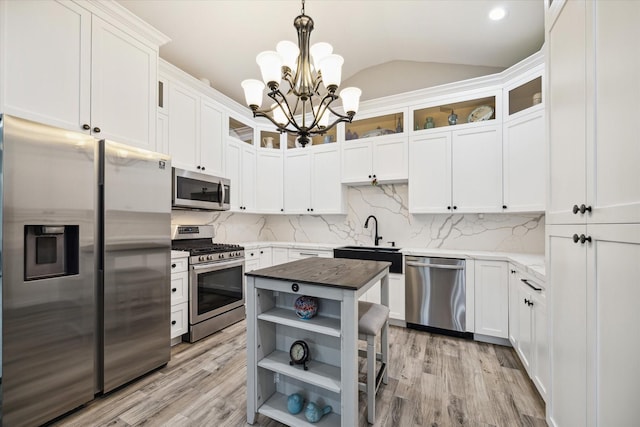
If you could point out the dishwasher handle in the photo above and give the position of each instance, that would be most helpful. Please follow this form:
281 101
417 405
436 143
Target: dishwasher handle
442 266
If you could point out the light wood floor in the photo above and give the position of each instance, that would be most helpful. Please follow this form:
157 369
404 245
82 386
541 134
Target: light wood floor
434 381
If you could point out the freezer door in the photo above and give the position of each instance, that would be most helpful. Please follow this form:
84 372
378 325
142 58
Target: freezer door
136 189
49 185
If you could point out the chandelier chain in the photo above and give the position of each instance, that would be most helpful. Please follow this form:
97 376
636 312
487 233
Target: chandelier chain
302 7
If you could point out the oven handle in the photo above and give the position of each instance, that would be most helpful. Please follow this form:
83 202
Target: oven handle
217 265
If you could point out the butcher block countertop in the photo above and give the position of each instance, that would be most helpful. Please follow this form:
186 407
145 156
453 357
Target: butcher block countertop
335 272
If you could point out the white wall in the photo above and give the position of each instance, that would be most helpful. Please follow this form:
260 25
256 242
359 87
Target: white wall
495 232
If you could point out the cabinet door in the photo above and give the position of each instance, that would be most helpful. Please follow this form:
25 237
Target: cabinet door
613 292
568 329
326 187
357 159
524 159
492 298
430 174
183 127
248 182
265 257
477 170
45 62
279 256
211 147
124 74
524 326
515 305
396 296
234 173
269 182
297 184
566 101
390 160
613 180
540 356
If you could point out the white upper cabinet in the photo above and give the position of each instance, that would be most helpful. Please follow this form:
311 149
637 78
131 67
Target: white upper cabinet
99 77
374 149
269 182
459 171
312 181
46 62
524 163
124 75
195 137
241 171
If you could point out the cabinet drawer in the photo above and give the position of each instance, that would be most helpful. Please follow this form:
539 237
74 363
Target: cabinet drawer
179 264
295 254
179 288
179 319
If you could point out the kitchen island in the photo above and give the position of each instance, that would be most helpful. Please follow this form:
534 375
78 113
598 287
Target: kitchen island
331 336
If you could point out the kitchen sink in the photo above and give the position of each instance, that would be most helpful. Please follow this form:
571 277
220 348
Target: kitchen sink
372 253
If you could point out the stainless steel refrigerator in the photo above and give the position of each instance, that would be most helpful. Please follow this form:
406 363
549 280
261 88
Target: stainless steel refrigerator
85 267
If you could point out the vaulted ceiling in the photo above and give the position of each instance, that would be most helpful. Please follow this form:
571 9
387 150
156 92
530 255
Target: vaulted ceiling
219 39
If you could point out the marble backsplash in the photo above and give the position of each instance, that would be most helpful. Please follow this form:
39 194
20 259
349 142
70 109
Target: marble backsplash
523 233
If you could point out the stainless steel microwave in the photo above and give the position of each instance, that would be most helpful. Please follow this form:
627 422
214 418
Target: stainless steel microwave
193 190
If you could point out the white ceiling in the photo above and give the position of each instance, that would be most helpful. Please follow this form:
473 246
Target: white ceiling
219 39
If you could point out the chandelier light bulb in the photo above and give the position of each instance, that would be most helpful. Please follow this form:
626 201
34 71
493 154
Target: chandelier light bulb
331 69
289 52
350 99
270 64
253 92
318 52
497 14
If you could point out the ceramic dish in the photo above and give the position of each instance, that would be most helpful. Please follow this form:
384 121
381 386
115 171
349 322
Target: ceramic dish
377 132
483 112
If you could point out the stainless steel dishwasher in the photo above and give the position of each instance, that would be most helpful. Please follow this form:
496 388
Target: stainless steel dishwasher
435 297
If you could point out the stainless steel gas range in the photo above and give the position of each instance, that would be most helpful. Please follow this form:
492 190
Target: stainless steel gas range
216 278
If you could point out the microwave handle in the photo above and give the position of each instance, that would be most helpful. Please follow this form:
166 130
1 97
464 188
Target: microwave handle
221 192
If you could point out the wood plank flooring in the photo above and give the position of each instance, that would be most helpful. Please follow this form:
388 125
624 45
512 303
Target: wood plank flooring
434 380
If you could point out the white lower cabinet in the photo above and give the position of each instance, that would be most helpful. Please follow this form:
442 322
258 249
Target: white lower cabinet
396 296
179 295
279 256
257 258
528 332
491 298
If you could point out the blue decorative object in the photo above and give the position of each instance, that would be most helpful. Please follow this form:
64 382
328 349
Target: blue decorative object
313 413
306 307
453 118
295 403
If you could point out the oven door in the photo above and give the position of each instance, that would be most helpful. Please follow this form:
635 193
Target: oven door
215 288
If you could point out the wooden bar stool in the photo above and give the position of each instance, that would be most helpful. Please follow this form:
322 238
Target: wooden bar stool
373 319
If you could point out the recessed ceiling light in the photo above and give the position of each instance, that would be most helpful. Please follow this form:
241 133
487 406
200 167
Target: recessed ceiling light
497 14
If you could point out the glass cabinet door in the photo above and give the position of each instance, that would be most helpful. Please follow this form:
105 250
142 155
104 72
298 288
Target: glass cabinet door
240 131
525 96
388 124
474 110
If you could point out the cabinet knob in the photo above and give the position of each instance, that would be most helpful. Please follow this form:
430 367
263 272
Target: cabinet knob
584 238
261 252
251 254
449 207
203 168
173 322
374 176
369 176
525 300
455 207
504 206
173 266
575 209
96 129
174 289
198 167
281 209
576 238
311 209
584 208
513 272
86 126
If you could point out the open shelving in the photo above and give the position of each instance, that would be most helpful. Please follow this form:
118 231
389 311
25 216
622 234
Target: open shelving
440 113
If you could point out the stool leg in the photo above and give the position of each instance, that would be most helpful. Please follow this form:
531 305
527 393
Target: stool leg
371 379
384 349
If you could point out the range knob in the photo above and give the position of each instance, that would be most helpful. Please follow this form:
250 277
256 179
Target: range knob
201 258
209 257
220 256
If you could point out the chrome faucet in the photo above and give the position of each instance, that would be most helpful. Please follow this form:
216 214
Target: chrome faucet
366 225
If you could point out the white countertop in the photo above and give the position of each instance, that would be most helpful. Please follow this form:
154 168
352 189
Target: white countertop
532 264
179 254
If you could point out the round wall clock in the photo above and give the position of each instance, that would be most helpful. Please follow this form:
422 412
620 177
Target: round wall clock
299 354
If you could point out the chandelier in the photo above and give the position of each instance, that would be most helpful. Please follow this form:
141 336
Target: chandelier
304 110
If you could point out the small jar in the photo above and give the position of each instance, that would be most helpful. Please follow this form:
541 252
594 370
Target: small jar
428 124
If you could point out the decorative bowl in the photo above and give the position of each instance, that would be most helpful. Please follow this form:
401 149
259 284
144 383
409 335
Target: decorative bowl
306 307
